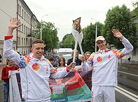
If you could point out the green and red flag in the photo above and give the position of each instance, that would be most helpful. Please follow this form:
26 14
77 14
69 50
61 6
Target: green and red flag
71 88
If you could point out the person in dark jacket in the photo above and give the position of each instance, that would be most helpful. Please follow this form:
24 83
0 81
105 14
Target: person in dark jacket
77 60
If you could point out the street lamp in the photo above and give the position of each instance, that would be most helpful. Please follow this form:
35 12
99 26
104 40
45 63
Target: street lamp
41 25
95 34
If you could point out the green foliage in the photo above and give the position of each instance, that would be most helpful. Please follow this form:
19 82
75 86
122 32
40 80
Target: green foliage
136 10
119 18
49 34
67 42
88 43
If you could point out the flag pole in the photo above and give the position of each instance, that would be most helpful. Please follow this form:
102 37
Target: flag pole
75 51
81 49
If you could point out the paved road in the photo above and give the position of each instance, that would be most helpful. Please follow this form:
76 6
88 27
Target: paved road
1 91
128 79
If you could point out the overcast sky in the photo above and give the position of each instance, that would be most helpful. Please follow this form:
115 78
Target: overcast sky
62 12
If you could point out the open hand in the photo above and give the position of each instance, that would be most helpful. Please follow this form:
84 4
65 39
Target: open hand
14 23
72 65
117 34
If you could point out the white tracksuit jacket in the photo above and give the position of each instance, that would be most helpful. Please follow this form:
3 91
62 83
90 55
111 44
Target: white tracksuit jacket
34 74
105 64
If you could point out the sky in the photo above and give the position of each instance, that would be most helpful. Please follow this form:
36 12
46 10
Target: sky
63 12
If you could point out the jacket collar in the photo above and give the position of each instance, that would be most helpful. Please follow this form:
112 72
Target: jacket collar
39 59
103 51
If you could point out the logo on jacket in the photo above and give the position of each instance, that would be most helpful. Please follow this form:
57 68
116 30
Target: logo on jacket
99 59
46 70
109 57
35 66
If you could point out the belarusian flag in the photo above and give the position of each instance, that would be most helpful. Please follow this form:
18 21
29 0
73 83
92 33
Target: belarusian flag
74 89
79 90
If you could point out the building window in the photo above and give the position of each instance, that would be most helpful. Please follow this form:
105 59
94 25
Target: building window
22 28
22 41
19 27
22 13
19 41
26 30
26 42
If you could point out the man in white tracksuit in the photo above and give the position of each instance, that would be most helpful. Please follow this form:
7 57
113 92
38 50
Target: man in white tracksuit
36 69
105 66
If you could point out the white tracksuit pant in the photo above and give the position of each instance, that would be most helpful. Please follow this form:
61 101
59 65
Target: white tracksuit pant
103 94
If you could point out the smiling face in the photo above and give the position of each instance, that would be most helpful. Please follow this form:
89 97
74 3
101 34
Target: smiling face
38 50
101 44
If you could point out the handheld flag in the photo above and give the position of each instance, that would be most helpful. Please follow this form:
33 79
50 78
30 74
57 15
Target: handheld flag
77 34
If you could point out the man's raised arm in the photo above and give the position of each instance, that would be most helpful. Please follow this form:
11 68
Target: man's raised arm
9 53
128 46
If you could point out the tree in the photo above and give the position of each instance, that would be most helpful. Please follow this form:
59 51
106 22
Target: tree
119 18
88 43
49 34
136 10
67 42
135 4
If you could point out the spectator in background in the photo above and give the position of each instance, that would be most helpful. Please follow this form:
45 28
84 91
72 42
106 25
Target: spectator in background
45 56
52 60
61 62
129 58
56 60
87 55
77 60
5 77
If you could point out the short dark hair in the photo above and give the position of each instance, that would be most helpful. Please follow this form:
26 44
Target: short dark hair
37 41
51 58
7 61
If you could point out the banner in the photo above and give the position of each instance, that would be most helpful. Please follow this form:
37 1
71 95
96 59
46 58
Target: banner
75 87
14 87
77 34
